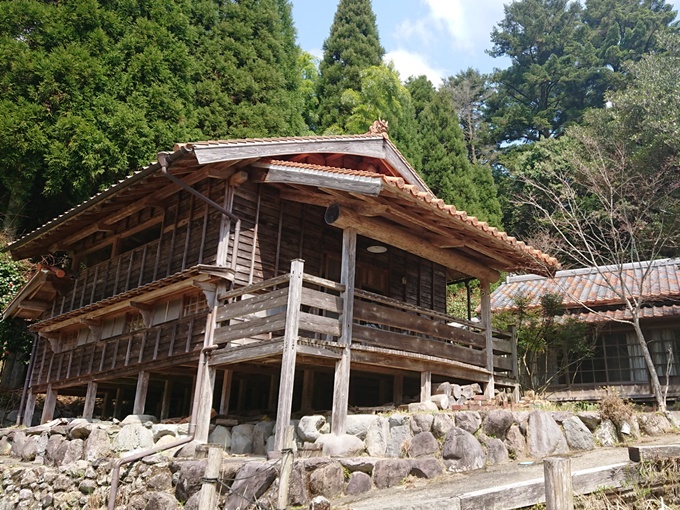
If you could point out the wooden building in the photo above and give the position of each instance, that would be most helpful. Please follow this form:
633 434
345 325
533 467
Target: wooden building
617 359
283 274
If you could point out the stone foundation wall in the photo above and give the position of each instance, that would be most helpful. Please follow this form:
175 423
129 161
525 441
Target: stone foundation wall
67 464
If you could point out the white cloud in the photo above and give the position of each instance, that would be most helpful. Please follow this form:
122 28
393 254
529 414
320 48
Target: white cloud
413 64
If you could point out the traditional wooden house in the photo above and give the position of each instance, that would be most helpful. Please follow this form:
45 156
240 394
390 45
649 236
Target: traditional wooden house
617 360
265 274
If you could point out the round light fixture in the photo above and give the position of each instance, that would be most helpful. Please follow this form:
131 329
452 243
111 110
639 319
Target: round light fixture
377 248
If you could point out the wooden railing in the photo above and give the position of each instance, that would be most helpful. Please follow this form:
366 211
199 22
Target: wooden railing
160 342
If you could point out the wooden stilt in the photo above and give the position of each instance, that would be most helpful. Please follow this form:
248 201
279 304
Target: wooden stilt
106 403
425 386
558 484
212 473
30 409
307 390
165 404
140 393
486 323
118 406
342 366
241 396
90 399
398 390
289 350
205 404
273 392
49 405
226 392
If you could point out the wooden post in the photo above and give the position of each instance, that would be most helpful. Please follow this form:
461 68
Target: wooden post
30 409
307 389
558 486
90 399
226 392
488 332
273 391
286 469
118 406
165 404
425 386
49 405
342 366
203 414
398 390
140 393
515 364
210 479
290 335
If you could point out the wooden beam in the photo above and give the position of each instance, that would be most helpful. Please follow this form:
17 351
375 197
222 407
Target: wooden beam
238 178
488 333
140 392
283 410
27 419
165 403
653 453
34 304
425 386
383 231
49 404
307 390
118 406
342 366
90 399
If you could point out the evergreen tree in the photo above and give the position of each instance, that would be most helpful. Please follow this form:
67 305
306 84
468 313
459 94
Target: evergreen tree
352 46
445 165
91 90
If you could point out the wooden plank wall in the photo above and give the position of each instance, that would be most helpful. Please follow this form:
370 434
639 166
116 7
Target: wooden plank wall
274 232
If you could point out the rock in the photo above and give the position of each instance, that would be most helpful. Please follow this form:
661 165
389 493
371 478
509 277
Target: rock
61 483
496 452
97 445
193 502
377 437
87 486
421 422
560 416
522 420
462 452
163 429
298 489
469 421
590 419
577 434
189 479
340 446
252 480
441 424
72 451
674 417
629 429
605 434
497 423
261 431
654 424
515 442
358 424
18 440
221 436
422 407
159 482
161 501
397 419
327 480
30 449
138 419
242 439
5 447
25 494
79 428
132 437
426 468
442 389
320 503
544 436
423 445
399 435
359 483
54 444
390 472
309 427
441 401
363 464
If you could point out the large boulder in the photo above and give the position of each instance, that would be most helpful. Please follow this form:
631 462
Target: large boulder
242 439
18 440
189 479
54 444
462 452
79 428
423 407
252 480
327 481
426 468
71 451
496 451
138 419
160 501
399 435
590 419
221 436
97 445
309 427
497 423
441 424
359 483
261 432
421 422
132 437
358 424
577 434
340 446
605 434
298 488
390 472
515 442
544 436
653 424
423 445
377 437
469 421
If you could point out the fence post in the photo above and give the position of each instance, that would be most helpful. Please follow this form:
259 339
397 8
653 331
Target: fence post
286 468
212 473
558 488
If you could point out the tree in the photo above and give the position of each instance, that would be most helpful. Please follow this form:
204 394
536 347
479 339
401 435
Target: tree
445 165
90 91
352 46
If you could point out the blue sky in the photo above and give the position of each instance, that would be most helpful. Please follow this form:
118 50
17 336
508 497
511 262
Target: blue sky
437 38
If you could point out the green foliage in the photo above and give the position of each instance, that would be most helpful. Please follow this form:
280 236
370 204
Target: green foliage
548 342
92 90
13 334
352 47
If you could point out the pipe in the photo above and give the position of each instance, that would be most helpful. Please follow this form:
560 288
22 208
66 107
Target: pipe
29 375
163 160
115 473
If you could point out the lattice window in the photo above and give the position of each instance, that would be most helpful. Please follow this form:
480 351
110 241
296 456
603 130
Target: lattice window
194 304
135 322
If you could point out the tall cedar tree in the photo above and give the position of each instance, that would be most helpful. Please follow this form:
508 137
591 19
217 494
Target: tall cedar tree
352 46
91 90
445 165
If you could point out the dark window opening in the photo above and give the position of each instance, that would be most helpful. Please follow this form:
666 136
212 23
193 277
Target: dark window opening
140 238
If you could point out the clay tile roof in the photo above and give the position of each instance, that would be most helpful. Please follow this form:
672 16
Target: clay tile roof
588 287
